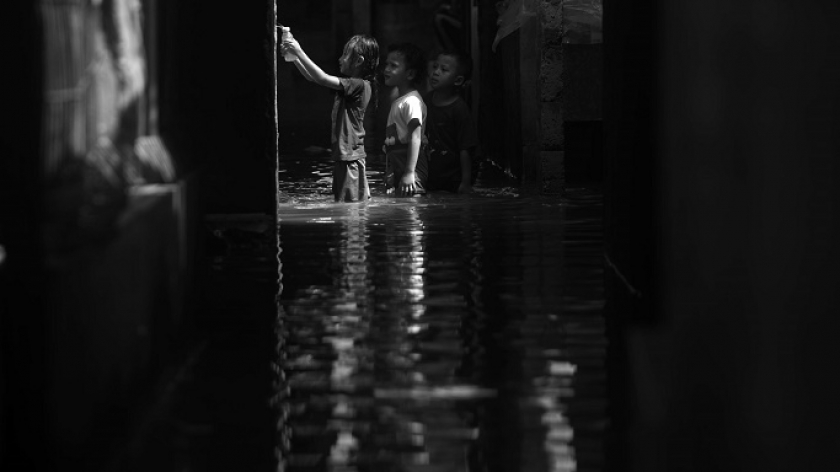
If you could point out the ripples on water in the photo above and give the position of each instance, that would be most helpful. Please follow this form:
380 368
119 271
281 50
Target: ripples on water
438 333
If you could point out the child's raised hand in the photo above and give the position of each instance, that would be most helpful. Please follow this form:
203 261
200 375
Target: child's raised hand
292 46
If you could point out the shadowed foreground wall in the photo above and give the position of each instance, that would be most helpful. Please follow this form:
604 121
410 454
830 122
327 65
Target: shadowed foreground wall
90 324
215 107
728 347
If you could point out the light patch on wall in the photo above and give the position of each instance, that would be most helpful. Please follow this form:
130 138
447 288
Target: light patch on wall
512 15
582 21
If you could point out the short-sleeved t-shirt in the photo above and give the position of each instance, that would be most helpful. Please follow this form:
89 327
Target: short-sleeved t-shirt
348 119
404 109
450 130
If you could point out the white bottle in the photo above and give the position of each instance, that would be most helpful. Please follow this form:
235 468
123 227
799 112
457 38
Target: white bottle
287 34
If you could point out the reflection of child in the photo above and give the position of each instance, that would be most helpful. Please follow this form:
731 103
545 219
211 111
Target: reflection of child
353 93
406 165
450 128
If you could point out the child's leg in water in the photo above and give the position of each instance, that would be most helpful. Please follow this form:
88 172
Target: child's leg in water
349 181
364 186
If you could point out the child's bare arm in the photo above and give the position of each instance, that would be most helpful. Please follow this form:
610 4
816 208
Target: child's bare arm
316 74
466 173
303 70
408 181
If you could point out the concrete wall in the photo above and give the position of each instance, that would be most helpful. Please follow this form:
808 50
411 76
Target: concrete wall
521 121
722 144
551 65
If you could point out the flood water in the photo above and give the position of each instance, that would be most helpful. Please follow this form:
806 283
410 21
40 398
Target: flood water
438 333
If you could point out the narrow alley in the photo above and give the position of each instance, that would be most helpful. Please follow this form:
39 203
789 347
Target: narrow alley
643 278
441 333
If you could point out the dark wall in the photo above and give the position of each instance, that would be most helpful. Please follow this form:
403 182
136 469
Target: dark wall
629 198
22 313
748 120
396 21
721 144
216 80
629 144
304 107
105 312
583 86
499 118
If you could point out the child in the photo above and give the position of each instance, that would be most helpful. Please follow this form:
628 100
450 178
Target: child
450 130
353 93
406 167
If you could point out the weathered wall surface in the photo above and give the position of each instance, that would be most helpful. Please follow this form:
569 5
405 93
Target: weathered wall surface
552 149
529 55
531 59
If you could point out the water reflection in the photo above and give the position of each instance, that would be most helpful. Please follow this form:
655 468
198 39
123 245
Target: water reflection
438 333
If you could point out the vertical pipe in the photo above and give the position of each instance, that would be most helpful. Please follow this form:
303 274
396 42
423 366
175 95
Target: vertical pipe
271 51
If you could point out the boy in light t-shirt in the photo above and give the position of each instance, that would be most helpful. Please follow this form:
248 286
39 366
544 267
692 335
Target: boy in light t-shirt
406 169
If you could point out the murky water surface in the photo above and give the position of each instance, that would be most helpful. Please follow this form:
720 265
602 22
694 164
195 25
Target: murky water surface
439 333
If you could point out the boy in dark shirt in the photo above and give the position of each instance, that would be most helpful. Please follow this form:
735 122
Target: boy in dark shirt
449 125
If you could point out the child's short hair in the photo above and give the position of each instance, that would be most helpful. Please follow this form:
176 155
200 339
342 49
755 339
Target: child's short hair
415 59
465 64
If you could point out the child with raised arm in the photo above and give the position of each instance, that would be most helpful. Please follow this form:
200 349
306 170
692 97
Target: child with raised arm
358 64
406 167
450 129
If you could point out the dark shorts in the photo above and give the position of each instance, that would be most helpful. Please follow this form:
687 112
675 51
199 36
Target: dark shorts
350 182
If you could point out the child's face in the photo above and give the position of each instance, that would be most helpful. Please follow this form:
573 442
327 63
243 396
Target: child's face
444 73
395 73
347 62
